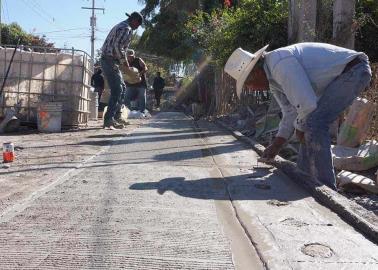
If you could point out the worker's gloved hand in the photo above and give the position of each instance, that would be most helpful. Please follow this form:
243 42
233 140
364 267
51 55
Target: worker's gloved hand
300 135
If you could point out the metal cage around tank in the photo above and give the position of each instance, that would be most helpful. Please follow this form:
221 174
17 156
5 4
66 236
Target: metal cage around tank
40 74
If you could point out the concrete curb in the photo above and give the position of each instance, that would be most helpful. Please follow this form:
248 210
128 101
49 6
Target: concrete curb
349 211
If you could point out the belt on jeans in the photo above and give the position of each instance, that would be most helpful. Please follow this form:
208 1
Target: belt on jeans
351 64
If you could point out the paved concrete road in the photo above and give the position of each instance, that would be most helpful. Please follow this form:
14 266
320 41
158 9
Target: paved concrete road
174 197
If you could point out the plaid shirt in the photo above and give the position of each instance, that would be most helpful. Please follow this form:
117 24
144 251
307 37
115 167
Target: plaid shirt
118 41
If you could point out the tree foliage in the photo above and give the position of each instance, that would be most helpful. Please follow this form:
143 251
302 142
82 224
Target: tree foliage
11 33
166 36
251 25
217 27
166 33
367 28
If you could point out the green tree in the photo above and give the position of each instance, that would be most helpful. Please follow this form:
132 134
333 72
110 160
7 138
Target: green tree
165 31
251 25
367 28
11 33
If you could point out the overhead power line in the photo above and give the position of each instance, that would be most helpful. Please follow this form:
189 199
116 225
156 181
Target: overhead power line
40 14
41 9
59 31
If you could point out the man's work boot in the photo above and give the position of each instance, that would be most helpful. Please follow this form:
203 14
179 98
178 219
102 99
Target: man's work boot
122 122
113 125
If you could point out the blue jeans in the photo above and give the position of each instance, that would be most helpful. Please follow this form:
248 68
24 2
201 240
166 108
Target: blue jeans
315 155
133 93
117 86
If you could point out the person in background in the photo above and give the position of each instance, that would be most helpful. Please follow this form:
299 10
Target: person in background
136 89
97 81
113 54
313 83
158 87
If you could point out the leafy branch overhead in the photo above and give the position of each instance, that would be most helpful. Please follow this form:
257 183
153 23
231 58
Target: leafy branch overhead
192 30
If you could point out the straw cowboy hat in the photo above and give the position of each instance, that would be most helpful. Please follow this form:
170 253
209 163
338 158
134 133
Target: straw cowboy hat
240 64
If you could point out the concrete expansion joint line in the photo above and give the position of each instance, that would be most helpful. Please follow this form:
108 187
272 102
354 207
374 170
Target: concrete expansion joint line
237 216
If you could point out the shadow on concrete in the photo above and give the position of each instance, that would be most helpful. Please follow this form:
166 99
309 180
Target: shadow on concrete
220 149
240 187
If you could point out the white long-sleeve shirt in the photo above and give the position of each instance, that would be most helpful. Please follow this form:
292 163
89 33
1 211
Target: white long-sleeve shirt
299 74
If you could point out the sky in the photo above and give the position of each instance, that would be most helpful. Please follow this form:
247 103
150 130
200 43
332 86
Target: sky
64 22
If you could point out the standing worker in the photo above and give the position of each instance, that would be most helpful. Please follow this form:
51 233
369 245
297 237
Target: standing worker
158 86
313 83
136 88
97 81
113 55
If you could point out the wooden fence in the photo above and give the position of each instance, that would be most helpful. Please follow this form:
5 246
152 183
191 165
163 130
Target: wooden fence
225 100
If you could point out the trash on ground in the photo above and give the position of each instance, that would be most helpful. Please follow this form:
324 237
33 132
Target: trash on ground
354 129
136 115
124 113
147 114
356 159
352 182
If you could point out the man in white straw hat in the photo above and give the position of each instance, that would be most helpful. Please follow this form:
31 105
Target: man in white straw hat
313 83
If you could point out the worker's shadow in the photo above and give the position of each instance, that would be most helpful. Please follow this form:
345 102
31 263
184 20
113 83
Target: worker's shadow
241 187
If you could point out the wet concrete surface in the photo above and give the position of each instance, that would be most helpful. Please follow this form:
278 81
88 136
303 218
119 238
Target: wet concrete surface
175 195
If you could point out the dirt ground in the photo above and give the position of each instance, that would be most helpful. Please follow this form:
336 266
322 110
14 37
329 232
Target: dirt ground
43 158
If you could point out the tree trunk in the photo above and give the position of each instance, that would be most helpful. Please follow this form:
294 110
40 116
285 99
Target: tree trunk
293 21
307 23
302 20
343 13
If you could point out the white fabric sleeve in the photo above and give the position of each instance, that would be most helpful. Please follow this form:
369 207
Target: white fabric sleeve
291 76
286 127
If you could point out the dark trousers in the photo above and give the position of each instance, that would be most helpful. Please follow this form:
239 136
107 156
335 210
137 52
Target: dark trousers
158 93
117 87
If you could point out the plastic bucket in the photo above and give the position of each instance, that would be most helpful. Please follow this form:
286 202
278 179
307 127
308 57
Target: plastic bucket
49 117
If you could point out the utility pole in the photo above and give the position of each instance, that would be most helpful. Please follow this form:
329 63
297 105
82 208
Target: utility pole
93 24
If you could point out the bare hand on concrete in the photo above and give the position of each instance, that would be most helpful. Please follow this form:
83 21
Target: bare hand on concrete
274 148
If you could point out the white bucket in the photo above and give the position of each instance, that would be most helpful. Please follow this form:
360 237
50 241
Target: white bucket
49 117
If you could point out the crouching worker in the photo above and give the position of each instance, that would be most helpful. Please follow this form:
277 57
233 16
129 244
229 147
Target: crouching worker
313 83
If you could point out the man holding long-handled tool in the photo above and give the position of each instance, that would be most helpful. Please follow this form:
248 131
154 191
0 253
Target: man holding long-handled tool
313 83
